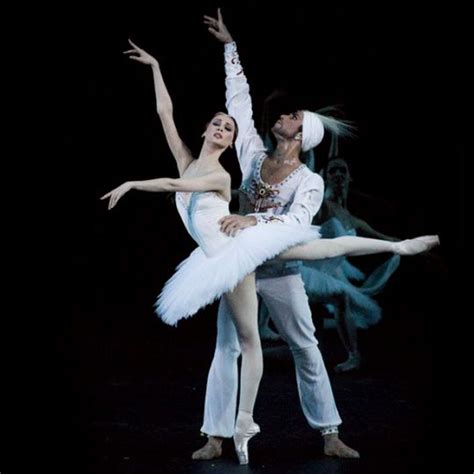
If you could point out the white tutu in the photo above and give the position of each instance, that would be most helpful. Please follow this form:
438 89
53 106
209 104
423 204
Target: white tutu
199 280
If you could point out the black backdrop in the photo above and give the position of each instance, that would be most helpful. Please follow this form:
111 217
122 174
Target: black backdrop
382 63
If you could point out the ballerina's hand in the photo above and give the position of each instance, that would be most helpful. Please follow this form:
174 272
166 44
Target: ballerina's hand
140 55
116 194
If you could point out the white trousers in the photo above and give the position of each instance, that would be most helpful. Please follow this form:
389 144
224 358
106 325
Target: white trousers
287 302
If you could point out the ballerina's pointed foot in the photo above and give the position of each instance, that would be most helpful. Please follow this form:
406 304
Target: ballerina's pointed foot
417 245
241 440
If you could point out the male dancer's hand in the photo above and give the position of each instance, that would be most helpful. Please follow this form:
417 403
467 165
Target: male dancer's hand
230 225
218 28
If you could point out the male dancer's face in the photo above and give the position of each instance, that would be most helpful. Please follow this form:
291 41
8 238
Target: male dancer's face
288 125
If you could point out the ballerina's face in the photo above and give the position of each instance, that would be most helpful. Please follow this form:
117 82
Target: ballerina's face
222 130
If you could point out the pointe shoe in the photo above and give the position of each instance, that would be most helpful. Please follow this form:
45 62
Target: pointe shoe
241 440
415 246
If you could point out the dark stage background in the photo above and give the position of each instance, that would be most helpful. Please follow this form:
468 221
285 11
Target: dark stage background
129 394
